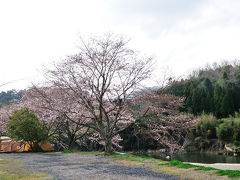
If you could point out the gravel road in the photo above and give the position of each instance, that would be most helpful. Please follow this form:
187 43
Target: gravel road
85 167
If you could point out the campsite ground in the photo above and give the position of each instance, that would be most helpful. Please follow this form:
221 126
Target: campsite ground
70 166
84 166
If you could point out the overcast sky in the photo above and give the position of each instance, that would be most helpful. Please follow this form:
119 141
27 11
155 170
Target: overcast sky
180 34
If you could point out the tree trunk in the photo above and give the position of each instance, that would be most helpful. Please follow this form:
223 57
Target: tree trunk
71 143
35 147
108 146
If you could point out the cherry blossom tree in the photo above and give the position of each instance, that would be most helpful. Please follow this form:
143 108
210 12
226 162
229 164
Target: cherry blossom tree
5 112
54 109
162 119
60 111
101 78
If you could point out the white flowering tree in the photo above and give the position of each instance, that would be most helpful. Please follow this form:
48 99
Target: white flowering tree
101 78
163 121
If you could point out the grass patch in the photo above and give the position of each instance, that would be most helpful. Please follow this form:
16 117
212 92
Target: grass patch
86 152
230 173
14 170
69 151
131 157
180 164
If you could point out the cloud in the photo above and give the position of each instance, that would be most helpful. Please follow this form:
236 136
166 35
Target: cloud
153 16
181 34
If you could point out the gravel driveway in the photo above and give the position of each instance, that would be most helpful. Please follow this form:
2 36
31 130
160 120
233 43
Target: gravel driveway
86 167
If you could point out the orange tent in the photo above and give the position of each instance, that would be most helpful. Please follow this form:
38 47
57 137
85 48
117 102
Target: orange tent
8 145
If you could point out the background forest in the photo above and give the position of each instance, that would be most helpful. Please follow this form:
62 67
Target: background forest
213 94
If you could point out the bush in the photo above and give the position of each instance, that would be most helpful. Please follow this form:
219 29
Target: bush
24 125
206 127
229 130
204 132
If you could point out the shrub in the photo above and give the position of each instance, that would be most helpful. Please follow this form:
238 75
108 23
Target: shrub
229 130
206 127
204 131
24 125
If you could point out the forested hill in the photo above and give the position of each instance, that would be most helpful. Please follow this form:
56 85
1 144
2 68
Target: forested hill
213 90
8 96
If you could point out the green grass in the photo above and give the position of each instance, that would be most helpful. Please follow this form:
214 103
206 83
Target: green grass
69 151
131 157
229 173
180 164
15 170
86 152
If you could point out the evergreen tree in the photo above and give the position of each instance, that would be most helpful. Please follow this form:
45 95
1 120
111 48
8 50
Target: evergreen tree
208 101
227 104
225 75
218 91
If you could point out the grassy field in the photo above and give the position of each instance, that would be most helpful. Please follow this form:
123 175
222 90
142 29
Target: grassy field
11 169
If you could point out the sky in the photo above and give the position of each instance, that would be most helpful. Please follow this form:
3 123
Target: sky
181 35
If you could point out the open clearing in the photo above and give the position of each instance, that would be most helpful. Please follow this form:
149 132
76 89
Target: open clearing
76 166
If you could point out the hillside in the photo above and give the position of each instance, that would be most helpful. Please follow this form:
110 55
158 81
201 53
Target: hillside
214 89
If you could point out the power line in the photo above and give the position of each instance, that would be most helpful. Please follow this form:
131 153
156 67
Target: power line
10 82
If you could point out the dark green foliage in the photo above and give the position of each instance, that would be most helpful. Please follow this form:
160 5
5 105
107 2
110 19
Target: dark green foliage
177 88
225 130
204 132
135 138
218 91
211 133
229 130
206 127
227 105
24 125
199 96
225 94
225 75
219 96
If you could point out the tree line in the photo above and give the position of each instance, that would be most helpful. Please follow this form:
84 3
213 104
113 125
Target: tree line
6 97
214 92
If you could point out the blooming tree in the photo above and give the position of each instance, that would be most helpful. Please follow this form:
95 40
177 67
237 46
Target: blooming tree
54 109
163 121
101 78
60 111
5 112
